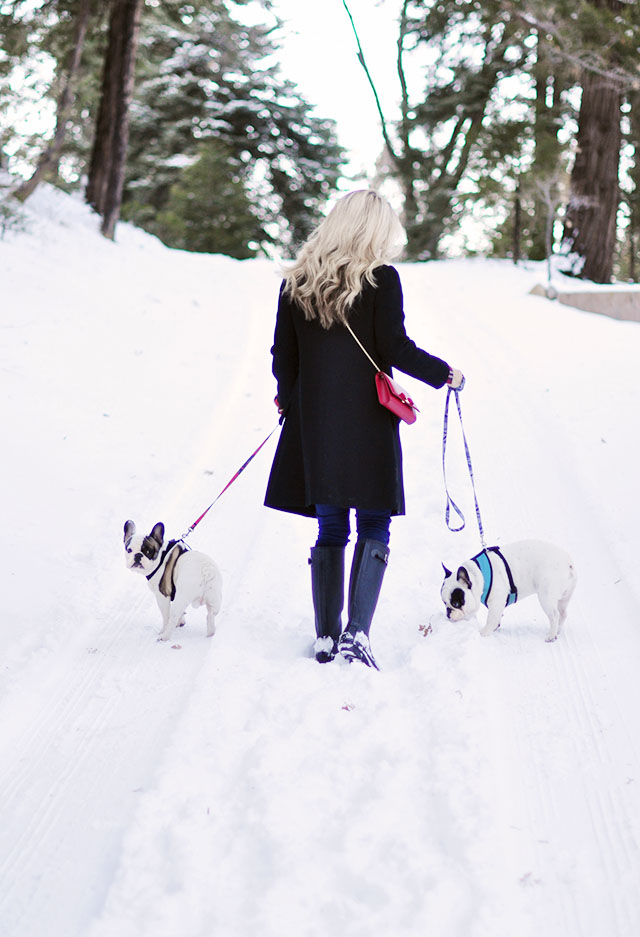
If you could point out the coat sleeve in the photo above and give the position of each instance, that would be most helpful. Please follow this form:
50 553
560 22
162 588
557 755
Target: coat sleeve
394 345
285 352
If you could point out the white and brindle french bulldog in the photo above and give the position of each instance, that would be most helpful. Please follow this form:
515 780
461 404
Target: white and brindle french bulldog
500 576
177 576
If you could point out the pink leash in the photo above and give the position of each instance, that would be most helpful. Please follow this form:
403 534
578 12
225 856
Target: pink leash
230 482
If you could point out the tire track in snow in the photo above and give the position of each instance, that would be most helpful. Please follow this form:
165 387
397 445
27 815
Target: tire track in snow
561 715
90 723
316 800
93 723
69 781
582 823
574 806
223 803
267 835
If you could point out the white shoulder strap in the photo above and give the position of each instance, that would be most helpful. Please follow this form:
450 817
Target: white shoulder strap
362 346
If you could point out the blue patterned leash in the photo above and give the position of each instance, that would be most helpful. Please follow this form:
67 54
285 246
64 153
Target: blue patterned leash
450 502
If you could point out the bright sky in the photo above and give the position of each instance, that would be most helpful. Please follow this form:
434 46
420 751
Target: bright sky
319 53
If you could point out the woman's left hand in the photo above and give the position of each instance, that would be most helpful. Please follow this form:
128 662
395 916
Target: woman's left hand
457 381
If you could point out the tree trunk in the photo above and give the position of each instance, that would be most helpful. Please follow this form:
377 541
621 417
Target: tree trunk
48 163
108 158
590 225
548 151
517 226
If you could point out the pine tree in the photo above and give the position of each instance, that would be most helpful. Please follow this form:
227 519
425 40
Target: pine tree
211 77
201 76
208 209
69 33
47 165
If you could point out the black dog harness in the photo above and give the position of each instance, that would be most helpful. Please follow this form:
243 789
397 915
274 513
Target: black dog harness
168 549
483 562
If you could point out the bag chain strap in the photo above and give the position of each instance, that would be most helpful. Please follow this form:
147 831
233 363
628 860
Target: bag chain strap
362 346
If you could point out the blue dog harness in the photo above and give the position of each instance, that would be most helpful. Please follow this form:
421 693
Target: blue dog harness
484 564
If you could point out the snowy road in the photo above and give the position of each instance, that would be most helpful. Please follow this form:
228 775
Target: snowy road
476 787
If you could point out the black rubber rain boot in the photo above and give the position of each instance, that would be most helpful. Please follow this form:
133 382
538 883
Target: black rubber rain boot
327 589
369 565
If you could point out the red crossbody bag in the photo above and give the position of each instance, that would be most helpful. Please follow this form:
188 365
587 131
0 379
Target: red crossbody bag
390 394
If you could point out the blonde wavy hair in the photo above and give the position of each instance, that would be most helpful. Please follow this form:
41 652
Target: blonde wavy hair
361 232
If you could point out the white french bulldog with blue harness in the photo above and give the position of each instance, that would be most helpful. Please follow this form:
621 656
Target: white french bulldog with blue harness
500 576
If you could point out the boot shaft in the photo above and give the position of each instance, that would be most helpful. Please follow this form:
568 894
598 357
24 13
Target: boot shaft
369 565
327 589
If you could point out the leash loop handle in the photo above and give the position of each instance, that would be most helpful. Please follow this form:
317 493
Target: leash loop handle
450 502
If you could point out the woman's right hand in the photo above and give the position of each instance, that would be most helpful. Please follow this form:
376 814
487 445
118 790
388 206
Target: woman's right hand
457 379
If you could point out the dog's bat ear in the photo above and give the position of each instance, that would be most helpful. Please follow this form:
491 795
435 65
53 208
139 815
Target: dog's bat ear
447 572
129 530
463 576
158 533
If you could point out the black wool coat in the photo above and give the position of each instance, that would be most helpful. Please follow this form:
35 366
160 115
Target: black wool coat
338 445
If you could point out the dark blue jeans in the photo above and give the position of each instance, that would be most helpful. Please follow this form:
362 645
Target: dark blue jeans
334 527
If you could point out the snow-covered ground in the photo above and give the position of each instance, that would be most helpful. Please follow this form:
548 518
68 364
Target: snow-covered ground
475 787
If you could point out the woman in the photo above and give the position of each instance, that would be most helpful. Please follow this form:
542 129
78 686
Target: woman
339 448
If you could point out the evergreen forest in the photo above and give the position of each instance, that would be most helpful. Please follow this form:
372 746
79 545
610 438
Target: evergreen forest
524 114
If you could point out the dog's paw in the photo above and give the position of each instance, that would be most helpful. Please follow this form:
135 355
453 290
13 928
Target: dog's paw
489 629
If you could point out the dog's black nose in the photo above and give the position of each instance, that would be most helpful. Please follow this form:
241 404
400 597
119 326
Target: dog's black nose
136 559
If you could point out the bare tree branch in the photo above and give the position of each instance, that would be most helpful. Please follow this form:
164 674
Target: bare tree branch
362 61
400 61
589 62
50 158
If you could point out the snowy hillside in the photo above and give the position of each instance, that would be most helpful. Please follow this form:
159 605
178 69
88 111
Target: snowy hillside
475 787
